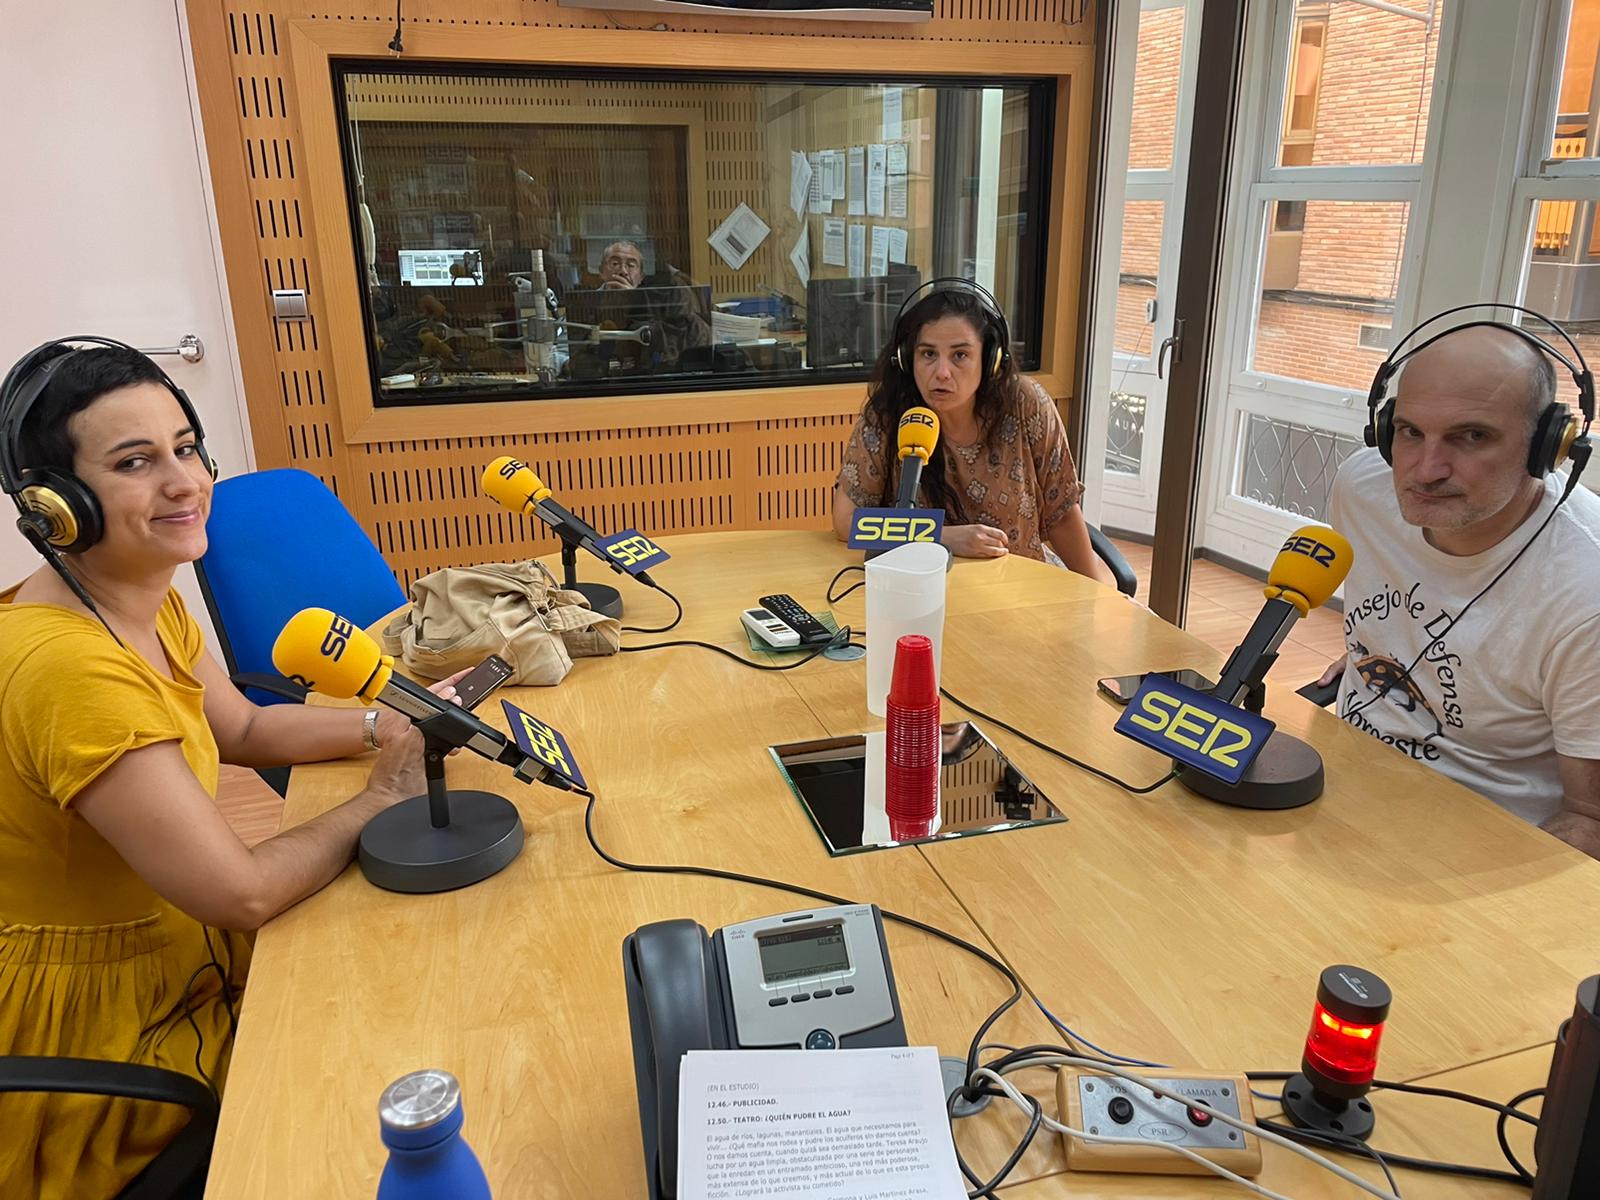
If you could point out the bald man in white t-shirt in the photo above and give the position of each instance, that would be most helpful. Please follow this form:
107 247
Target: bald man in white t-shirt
1505 698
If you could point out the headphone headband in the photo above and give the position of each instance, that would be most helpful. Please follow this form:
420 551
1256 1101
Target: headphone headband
1581 375
58 511
986 301
1557 436
17 398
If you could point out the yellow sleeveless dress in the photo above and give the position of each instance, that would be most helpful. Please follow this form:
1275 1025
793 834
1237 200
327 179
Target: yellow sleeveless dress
93 963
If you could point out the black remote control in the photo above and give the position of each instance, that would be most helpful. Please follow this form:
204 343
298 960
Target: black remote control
787 609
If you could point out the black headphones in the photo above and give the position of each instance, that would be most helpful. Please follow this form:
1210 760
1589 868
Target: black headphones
996 338
55 504
1557 436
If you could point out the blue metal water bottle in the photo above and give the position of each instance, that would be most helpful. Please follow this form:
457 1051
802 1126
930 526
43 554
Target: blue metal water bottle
420 1116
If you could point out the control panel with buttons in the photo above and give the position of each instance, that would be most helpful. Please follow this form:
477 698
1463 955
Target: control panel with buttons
1109 1106
815 980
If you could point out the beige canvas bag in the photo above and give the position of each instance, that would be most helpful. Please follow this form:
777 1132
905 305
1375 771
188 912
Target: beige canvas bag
460 615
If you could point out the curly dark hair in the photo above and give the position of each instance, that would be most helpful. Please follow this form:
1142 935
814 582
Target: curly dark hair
893 391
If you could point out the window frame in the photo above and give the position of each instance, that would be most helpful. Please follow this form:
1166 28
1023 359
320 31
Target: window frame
1268 182
1034 243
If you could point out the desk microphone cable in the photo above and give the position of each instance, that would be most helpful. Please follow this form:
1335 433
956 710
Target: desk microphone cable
1010 976
841 637
671 625
1061 754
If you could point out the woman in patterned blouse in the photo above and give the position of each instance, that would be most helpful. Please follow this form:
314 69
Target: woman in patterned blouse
1001 470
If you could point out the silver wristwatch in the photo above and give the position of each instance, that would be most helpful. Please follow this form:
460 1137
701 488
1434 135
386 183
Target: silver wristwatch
369 728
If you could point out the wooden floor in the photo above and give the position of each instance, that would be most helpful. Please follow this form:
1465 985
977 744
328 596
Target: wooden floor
1222 604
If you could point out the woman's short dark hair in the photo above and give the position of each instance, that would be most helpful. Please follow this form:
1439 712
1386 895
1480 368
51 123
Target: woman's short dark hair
892 391
43 441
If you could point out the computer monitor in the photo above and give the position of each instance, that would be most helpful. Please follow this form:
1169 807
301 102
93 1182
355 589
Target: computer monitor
849 320
676 320
441 268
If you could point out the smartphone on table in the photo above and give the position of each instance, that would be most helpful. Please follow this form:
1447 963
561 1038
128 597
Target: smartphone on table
481 680
1122 687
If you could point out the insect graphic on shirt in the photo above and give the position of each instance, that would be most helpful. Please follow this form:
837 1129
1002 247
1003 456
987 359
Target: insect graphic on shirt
1383 674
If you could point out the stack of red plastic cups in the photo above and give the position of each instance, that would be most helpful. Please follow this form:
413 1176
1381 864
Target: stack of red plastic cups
911 741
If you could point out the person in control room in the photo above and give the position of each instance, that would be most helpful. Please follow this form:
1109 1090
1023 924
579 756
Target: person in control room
1001 469
1507 699
621 266
126 901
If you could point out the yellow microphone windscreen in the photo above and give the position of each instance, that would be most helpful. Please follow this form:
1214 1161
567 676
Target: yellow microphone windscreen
512 484
330 656
1310 567
919 432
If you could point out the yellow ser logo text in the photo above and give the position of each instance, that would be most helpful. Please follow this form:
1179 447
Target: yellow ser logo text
545 746
896 529
1193 727
633 550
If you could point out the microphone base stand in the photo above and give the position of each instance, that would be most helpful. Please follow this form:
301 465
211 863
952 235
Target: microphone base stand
602 597
1286 774
443 839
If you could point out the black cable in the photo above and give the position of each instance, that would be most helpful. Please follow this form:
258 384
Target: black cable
759 881
673 624
1388 684
1512 1105
59 566
840 638
1504 1111
223 974
1450 1094
188 1015
395 43
1332 1142
828 591
981 1188
1061 754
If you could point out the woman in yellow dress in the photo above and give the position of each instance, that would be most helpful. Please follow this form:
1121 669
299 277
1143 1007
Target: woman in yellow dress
126 901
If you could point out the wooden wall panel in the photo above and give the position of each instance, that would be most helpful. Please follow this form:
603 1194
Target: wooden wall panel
420 500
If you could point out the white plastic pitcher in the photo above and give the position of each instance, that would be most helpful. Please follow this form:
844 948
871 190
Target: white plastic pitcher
905 594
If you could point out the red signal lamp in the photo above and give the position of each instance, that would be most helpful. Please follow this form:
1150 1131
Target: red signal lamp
1341 1054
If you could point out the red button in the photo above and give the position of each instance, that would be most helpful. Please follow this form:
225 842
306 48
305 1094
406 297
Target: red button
1198 1118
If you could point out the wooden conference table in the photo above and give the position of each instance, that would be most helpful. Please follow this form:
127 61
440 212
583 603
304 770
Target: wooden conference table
1162 926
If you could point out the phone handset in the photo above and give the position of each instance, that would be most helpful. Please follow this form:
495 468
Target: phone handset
670 965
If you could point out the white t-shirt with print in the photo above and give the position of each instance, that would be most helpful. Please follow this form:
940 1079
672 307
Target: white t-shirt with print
1515 682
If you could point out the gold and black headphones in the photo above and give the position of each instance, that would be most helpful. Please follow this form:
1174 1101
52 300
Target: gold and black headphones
1558 436
56 506
996 338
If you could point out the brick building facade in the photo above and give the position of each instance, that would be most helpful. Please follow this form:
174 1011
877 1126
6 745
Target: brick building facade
1359 89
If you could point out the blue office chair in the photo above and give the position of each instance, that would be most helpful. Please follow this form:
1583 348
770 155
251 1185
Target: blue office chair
281 541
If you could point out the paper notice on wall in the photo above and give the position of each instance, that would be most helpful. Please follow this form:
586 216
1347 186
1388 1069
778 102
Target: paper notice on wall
858 250
880 250
800 256
799 181
820 200
892 101
877 177
832 242
897 195
737 238
899 159
837 191
898 242
857 204
792 1124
